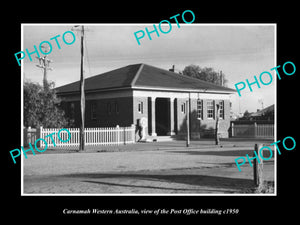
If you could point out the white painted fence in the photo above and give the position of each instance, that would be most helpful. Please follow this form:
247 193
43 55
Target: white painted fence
93 136
253 130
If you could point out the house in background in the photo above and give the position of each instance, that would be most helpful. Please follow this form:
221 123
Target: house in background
263 114
258 124
123 96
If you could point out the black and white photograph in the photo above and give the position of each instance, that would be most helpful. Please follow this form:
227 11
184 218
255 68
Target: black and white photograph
132 112
157 116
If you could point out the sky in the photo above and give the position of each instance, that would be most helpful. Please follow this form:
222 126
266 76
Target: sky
240 51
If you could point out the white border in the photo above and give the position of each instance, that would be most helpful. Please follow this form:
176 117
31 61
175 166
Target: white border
275 110
149 24
22 111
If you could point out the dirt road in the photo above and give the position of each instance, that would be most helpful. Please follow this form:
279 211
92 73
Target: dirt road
169 171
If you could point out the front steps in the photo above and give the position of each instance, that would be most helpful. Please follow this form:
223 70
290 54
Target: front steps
159 138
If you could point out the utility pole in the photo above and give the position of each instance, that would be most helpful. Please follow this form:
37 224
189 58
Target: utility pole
187 123
82 96
44 64
217 140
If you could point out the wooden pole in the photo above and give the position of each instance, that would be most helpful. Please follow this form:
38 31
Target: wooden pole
45 83
187 124
258 167
124 135
255 174
82 96
217 141
44 63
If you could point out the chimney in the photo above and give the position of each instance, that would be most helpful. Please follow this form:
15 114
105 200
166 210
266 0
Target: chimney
172 69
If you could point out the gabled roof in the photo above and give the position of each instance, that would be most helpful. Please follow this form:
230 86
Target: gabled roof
143 76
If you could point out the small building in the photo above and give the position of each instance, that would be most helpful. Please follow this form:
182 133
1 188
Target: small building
123 96
263 114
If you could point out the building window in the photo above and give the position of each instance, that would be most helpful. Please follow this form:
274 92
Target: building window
140 107
183 108
116 108
199 109
108 108
210 109
221 107
72 110
93 111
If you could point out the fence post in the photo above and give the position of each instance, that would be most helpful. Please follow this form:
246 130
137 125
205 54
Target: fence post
255 129
258 167
39 135
124 133
132 133
118 134
25 136
28 131
232 129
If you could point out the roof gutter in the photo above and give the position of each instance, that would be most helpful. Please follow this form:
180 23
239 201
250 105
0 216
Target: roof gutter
230 91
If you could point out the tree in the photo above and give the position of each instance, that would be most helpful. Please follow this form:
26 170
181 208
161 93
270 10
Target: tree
41 107
246 114
207 74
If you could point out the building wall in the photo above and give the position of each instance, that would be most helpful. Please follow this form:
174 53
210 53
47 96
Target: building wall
129 111
181 116
120 112
204 127
199 128
140 109
72 111
108 112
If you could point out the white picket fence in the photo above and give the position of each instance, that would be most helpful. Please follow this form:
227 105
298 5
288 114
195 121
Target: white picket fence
93 136
253 130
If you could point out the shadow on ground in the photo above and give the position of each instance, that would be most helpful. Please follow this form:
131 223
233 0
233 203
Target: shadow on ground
222 152
194 180
217 153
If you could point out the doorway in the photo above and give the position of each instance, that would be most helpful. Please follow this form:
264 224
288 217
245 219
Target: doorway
162 116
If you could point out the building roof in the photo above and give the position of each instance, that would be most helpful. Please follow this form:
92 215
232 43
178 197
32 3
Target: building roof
143 76
269 109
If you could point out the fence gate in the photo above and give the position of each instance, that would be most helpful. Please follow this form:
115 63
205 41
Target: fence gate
30 136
